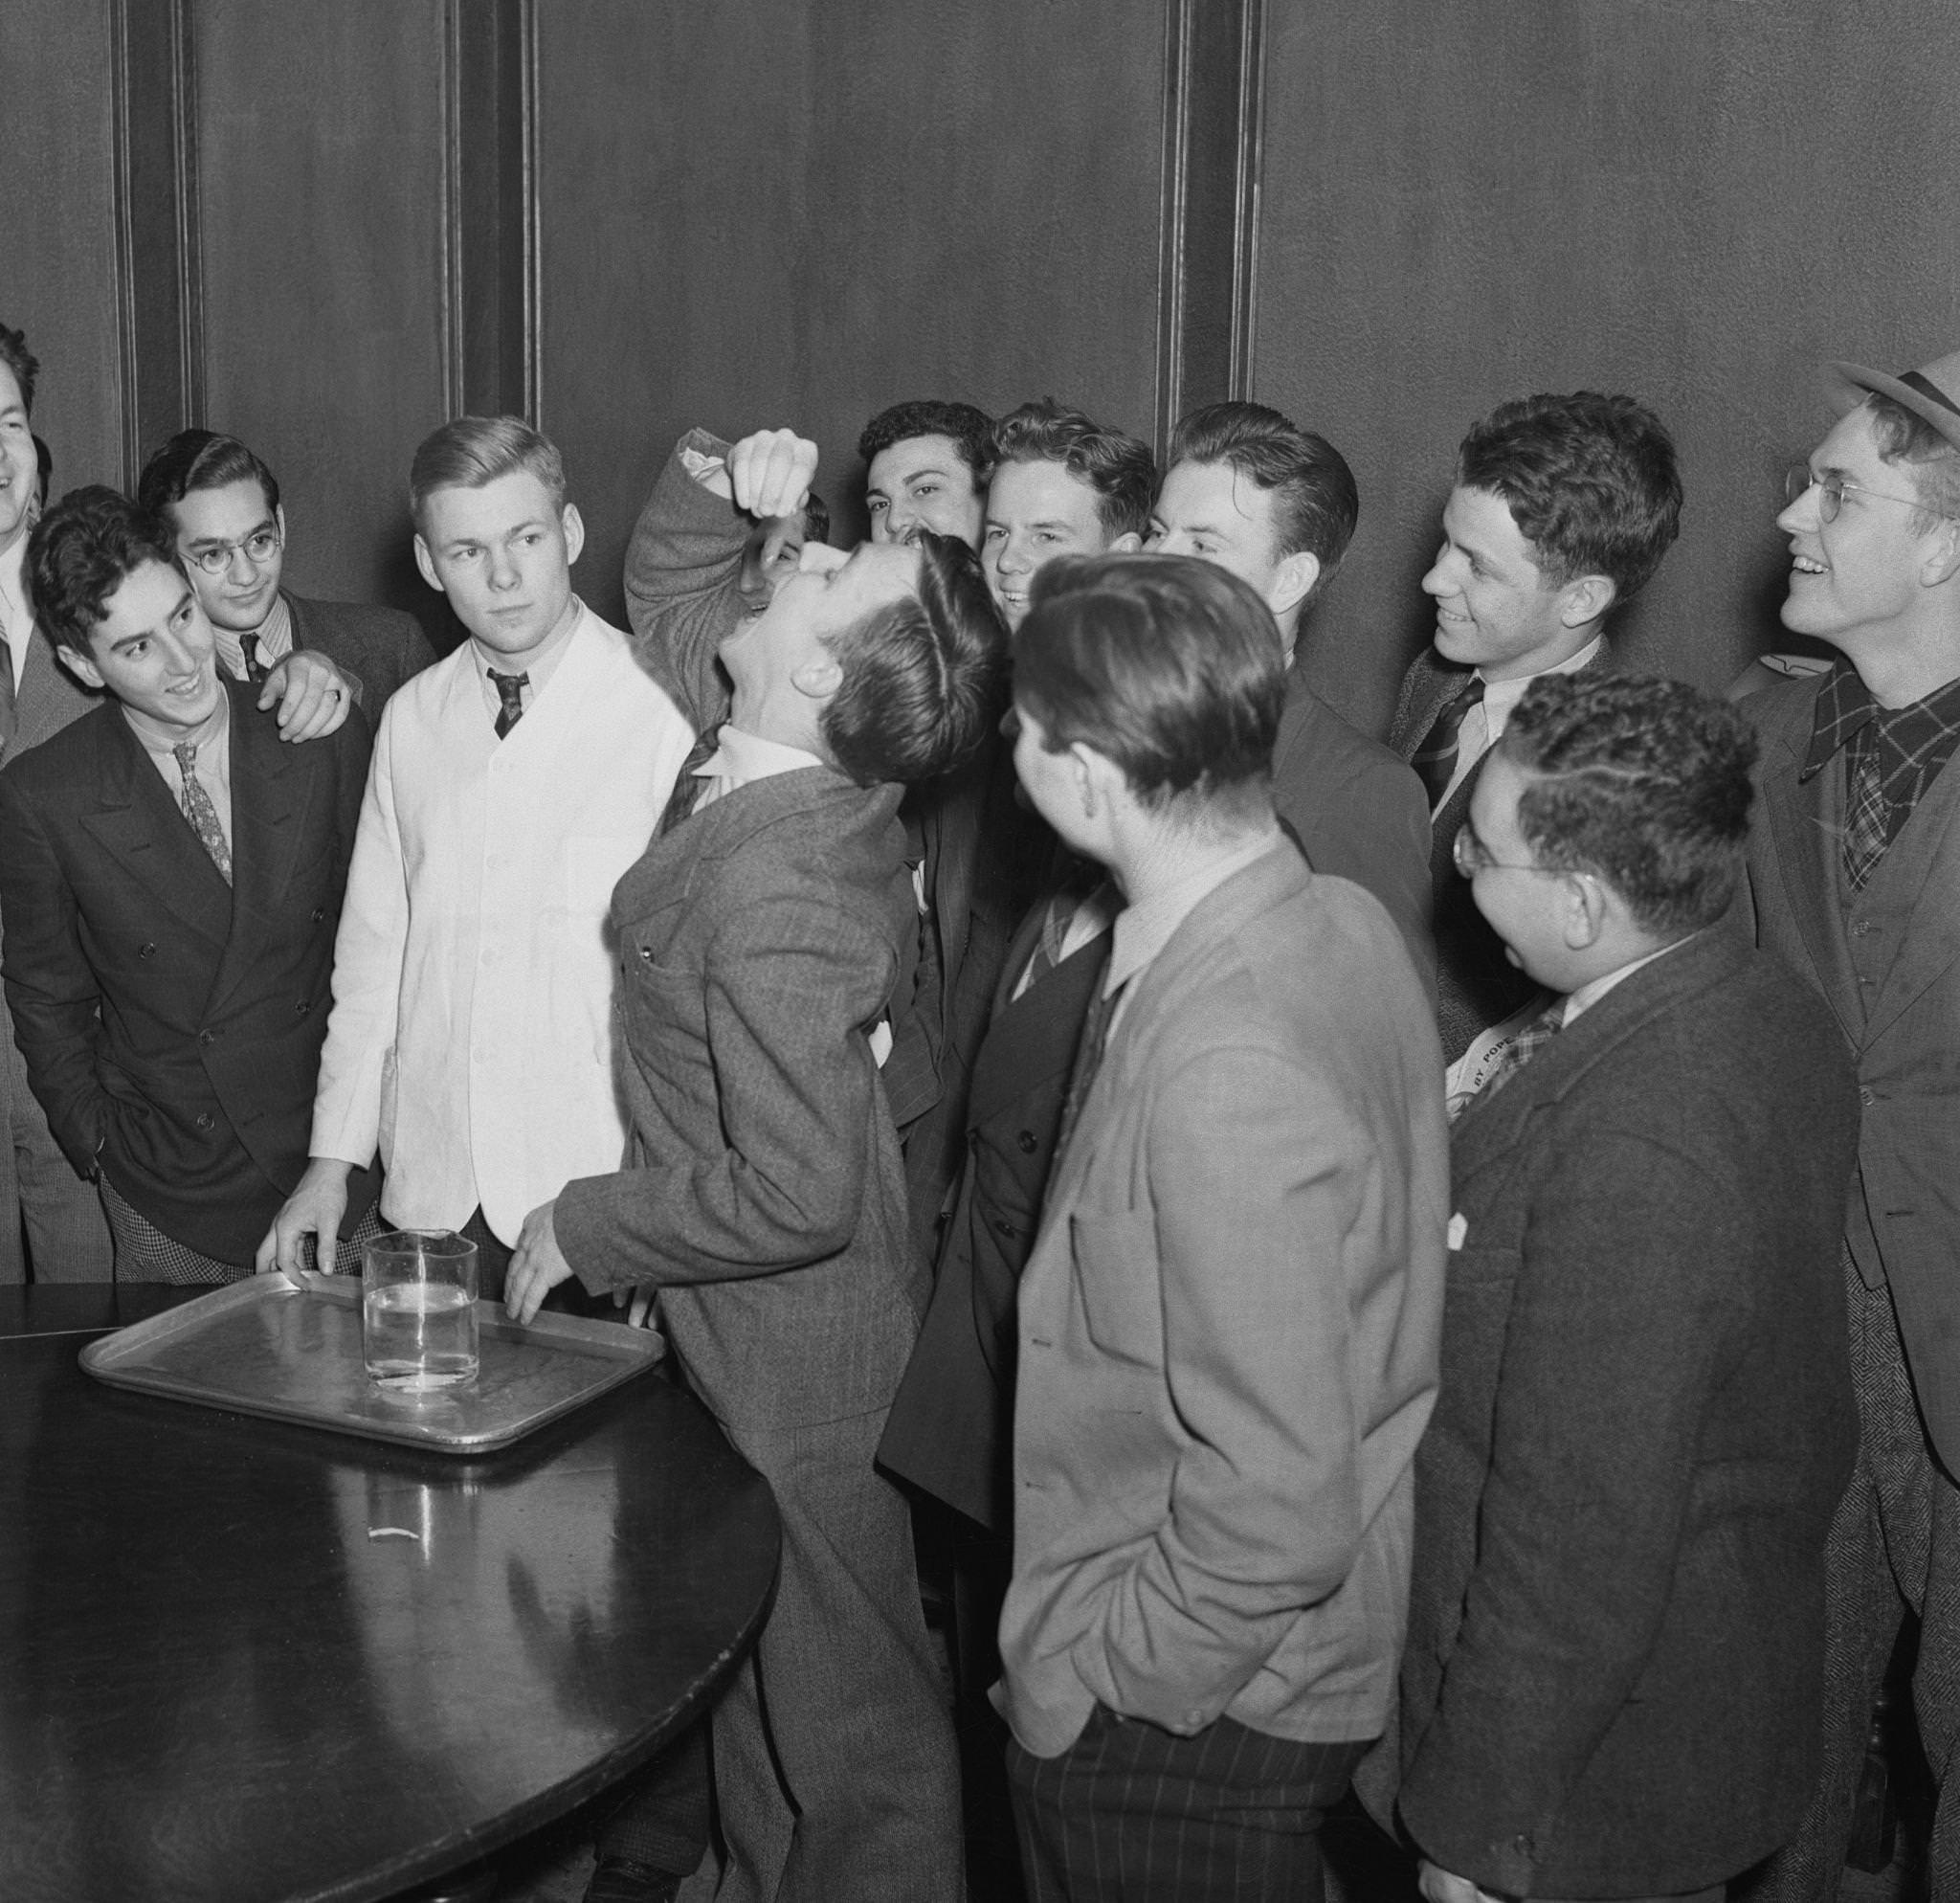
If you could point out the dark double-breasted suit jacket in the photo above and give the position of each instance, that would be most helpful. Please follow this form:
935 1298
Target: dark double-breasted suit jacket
950 1427
1612 1679
1475 985
173 1024
1887 964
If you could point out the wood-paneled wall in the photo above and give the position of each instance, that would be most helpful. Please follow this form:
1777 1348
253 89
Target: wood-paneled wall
1695 204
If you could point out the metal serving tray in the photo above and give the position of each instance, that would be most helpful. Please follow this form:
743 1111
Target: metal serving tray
263 1346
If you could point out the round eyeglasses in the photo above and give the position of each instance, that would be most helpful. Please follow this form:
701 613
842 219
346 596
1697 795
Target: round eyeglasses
1831 489
1473 857
258 549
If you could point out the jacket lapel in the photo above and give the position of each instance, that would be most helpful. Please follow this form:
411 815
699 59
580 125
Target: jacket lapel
1806 824
1925 857
271 791
138 823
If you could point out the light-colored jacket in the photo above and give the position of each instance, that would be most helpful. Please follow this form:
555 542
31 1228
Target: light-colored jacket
471 1028
1229 1332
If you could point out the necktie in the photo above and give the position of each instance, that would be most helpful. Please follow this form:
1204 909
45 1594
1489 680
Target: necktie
688 783
1089 1061
1865 823
200 811
1526 1046
8 716
510 690
1087 884
1436 759
255 670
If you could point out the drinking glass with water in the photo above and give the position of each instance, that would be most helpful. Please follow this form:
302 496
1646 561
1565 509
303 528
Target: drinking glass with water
418 1308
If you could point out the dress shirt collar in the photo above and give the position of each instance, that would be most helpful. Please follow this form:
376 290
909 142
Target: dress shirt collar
1594 989
1144 930
538 667
1501 697
741 757
16 624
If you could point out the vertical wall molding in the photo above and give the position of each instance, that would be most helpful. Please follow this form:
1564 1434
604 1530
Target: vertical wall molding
1215 61
489 209
159 273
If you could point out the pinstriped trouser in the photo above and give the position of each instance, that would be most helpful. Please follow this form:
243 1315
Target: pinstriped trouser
1130 1813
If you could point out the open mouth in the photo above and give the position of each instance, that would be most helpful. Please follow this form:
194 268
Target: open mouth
1803 564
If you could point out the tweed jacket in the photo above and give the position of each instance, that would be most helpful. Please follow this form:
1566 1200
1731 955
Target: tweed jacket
171 1023
380 647
1614 1674
759 941
1887 963
1228 1333
1477 986
973 844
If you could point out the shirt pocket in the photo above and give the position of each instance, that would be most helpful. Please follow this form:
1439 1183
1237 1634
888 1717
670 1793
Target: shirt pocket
1118 1285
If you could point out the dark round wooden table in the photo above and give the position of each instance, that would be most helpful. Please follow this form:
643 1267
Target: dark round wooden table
242 1661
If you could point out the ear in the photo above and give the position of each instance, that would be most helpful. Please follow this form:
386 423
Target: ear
818 677
1086 772
1293 582
427 564
1585 903
81 666
1586 599
575 532
1128 543
278 522
1942 555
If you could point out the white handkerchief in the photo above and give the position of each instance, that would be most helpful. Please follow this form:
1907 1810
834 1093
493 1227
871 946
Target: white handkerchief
1458 1229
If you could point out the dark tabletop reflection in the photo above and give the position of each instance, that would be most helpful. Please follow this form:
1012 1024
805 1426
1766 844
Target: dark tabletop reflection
248 1660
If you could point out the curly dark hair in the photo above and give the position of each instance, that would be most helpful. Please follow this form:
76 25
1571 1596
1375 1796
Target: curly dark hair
1590 482
1113 463
968 430
80 554
1644 782
923 678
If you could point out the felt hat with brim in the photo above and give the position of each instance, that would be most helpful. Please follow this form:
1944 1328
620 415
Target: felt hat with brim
1933 394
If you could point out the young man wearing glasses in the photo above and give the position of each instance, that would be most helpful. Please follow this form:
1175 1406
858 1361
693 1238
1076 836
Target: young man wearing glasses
1561 509
1645 1418
1855 870
224 505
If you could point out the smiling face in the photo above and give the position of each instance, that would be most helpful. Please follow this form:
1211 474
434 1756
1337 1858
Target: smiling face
19 469
503 553
1527 906
923 483
235 517
829 593
1035 512
1494 607
1857 576
153 650
1209 510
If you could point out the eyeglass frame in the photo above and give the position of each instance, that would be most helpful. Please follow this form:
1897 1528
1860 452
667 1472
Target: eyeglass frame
1798 481
1465 841
217 558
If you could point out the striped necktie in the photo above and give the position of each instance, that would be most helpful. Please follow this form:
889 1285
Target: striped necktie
1436 760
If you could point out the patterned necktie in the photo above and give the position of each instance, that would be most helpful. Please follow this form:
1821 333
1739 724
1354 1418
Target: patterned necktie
200 811
255 670
1867 814
510 690
1526 1046
1436 759
1089 1061
688 783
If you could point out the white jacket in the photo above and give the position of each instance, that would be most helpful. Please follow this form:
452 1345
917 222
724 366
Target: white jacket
472 1029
